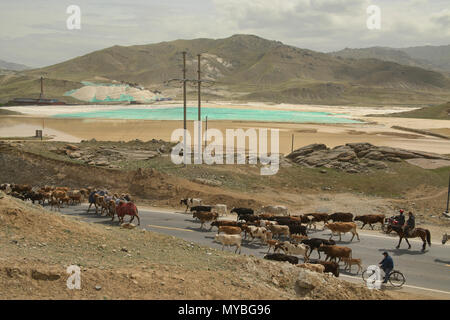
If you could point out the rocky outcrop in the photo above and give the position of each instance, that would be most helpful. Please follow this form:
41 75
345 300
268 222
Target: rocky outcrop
355 157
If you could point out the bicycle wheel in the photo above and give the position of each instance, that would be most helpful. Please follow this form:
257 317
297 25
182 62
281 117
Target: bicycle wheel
365 275
397 279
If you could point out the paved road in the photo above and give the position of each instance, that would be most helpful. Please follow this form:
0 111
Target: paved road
426 270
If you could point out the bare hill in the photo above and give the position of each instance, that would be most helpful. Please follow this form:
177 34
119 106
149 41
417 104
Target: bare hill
253 68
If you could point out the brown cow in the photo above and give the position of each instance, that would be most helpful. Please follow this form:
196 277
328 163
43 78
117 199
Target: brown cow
59 195
330 266
205 217
333 252
370 219
229 230
342 227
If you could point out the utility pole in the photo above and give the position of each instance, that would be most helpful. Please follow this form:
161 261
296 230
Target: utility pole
198 81
448 197
184 108
199 85
41 96
184 89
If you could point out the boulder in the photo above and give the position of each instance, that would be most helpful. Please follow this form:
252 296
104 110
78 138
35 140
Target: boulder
306 150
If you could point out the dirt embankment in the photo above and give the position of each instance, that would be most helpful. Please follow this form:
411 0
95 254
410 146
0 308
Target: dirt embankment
38 246
148 185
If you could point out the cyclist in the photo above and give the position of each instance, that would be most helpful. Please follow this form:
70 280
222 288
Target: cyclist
387 265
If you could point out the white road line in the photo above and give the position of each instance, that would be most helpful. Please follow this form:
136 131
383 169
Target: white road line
405 285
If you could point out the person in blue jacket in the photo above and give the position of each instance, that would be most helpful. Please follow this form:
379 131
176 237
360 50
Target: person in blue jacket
387 265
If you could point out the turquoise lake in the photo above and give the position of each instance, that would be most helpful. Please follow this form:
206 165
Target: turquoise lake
176 113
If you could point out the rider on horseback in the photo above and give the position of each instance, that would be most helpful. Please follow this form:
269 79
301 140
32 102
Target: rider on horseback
410 224
400 218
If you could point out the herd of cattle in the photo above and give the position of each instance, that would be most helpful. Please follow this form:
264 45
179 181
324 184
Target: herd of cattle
55 197
271 225
286 233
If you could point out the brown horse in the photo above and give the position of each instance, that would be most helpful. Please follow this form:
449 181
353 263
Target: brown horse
424 234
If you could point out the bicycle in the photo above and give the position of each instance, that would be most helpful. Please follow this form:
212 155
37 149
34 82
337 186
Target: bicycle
395 278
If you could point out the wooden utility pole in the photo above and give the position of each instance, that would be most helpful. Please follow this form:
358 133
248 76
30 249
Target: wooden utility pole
199 86
41 96
184 90
448 195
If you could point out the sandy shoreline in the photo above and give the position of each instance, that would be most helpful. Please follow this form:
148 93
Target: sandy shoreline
376 130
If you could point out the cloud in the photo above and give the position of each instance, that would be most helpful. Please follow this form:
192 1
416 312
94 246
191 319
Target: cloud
324 25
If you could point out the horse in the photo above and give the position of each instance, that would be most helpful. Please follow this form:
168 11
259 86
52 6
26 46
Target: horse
424 234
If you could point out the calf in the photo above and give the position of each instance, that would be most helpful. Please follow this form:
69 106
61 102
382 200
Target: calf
229 230
341 217
312 267
370 219
281 257
334 252
270 242
297 238
349 262
330 266
229 240
342 227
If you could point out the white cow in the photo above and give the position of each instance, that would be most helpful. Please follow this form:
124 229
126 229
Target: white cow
229 240
277 210
295 249
257 232
221 209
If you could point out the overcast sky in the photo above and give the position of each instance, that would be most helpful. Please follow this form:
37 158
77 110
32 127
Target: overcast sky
34 32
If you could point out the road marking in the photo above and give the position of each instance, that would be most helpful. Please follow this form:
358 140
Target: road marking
170 228
405 285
